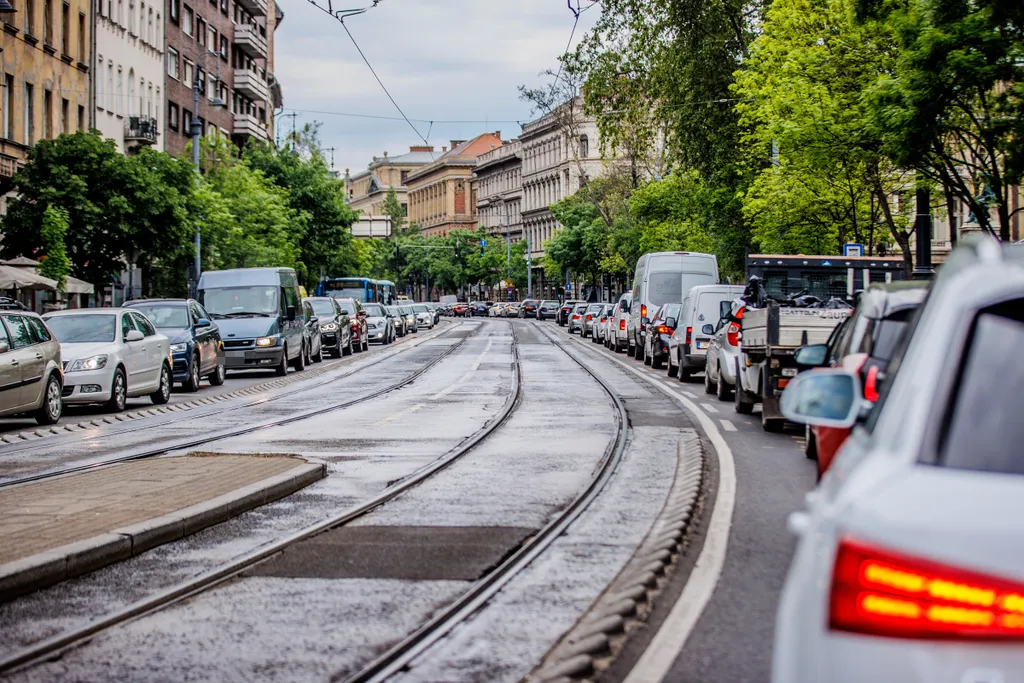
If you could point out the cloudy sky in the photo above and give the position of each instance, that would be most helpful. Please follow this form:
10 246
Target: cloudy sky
442 60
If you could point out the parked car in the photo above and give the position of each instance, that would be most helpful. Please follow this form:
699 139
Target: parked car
461 310
909 565
30 367
547 309
379 327
618 337
397 320
357 323
335 325
576 319
699 316
259 315
111 354
659 332
435 308
724 352
197 349
478 308
863 343
314 336
662 278
424 318
590 316
529 308
410 318
565 312
497 311
601 324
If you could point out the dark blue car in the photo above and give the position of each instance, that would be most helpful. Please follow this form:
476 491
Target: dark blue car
196 346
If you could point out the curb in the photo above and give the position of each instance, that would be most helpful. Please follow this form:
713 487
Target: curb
74 559
627 597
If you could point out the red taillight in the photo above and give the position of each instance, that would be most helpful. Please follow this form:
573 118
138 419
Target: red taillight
664 330
871 384
643 310
622 324
733 335
589 317
879 592
739 313
575 317
689 331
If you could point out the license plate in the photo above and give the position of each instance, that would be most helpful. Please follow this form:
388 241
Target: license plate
702 345
789 372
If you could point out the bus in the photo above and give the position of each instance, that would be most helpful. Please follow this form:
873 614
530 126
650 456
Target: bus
386 292
362 289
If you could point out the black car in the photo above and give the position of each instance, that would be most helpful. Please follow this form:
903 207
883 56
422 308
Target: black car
547 309
478 308
562 316
314 337
335 326
397 320
197 350
659 331
529 308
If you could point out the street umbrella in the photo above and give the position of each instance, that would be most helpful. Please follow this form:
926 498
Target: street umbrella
22 278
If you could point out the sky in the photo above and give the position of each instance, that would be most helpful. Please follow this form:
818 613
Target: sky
442 60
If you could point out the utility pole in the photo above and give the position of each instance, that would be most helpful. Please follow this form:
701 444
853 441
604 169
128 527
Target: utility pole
529 265
197 131
923 235
508 248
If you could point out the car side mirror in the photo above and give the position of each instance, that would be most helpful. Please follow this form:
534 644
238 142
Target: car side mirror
314 320
708 330
811 356
289 313
725 310
825 397
4 347
671 323
203 322
134 336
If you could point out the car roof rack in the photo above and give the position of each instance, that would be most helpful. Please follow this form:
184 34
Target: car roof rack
9 304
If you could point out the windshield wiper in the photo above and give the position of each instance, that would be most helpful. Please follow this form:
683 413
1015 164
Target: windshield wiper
251 314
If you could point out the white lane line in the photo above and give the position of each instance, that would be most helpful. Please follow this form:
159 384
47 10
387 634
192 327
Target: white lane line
708 407
668 642
472 369
728 426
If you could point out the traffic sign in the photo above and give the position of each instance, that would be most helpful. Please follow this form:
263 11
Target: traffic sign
483 243
568 287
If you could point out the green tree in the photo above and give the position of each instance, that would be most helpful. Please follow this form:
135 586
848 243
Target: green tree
392 208
55 263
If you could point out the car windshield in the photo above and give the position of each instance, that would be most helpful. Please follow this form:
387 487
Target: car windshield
548 304
165 316
322 307
241 302
581 308
406 310
81 329
348 307
394 310
595 308
374 310
420 308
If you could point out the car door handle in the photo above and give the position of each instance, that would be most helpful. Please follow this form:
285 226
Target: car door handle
14 362
39 356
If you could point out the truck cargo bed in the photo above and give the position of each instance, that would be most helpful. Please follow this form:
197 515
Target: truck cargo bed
783 327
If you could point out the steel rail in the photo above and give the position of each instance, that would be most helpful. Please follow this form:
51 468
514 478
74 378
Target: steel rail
404 652
240 431
54 646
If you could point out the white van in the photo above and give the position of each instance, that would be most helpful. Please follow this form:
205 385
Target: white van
661 278
698 321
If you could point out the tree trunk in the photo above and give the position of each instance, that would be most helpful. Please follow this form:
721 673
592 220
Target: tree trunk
902 237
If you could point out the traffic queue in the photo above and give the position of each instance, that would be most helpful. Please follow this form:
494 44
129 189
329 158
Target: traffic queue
241 320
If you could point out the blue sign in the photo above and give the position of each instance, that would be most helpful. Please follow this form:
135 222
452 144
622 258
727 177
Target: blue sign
483 243
568 287
853 249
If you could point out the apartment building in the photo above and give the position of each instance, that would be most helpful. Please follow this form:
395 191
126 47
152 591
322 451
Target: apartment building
226 48
441 196
128 72
45 62
367 190
498 186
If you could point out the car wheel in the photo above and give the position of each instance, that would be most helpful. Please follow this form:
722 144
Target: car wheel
810 444
192 383
347 351
49 412
217 376
722 389
282 369
163 393
366 343
118 392
709 388
300 360
648 359
773 425
673 370
336 353
319 357
744 406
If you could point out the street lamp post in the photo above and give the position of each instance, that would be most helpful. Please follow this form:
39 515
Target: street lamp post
923 235
197 131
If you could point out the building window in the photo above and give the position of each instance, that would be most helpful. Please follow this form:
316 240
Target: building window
8 17
174 11
30 15
201 77
81 118
211 37
584 147
30 113
172 63
405 176
8 100
64 106
120 12
119 104
155 104
224 7
224 47
172 116
131 17
110 87
48 22
149 27
200 30
211 89
405 208
65 25
186 21
188 74
81 38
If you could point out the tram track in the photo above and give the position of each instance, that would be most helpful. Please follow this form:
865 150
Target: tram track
54 646
240 431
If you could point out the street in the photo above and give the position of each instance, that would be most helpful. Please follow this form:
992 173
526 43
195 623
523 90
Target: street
509 429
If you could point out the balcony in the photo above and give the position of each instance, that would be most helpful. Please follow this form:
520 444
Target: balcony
140 130
257 8
247 125
250 84
249 41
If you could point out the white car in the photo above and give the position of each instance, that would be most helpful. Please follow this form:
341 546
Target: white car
424 316
111 354
910 566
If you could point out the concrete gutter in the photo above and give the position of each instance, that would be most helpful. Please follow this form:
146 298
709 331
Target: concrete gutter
74 559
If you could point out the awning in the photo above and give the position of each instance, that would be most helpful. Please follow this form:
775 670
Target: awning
76 286
20 262
23 278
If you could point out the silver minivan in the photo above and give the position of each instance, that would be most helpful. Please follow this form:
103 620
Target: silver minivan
661 278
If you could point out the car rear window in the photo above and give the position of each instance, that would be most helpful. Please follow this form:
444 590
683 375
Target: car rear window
595 308
888 334
981 432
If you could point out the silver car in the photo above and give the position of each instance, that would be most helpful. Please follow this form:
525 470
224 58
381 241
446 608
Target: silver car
909 565
579 312
590 316
31 380
379 328
617 338
410 318
723 354
424 316
601 324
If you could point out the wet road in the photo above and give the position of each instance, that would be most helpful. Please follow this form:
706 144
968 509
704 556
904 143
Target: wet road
325 607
